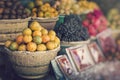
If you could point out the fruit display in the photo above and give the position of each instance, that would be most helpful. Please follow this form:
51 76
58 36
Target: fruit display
74 7
117 55
72 29
95 22
42 10
114 18
34 38
12 9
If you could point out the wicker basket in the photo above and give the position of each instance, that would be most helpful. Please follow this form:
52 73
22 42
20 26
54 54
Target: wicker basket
47 23
14 25
31 65
5 37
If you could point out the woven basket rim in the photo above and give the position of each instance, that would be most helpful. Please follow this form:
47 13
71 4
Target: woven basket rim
14 20
45 19
28 52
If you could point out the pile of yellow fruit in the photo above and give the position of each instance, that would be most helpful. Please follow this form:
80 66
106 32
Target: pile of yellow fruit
43 10
34 38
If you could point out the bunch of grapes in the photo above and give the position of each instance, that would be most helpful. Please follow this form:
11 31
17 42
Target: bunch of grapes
72 29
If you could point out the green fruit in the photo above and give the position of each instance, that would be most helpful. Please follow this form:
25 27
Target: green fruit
37 39
31 5
13 46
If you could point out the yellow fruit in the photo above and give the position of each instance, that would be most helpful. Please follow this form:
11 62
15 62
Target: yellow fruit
57 40
34 10
43 8
35 26
56 44
30 5
27 31
38 3
56 13
45 38
52 32
27 38
37 33
47 5
13 46
34 14
41 47
47 14
40 14
52 37
37 39
19 39
22 47
7 43
52 10
44 31
31 46
50 45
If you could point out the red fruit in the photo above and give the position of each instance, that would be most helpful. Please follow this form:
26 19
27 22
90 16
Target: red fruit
92 31
86 23
89 15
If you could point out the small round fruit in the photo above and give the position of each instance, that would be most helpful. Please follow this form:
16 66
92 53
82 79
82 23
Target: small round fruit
47 5
43 8
52 32
41 47
27 38
13 46
44 31
7 43
37 39
57 40
40 14
27 31
52 37
38 3
45 38
37 33
35 26
50 45
19 39
30 5
22 47
31 46
47 14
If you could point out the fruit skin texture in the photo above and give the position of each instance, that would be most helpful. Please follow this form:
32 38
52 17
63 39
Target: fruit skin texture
57 40
52 37
7 43
36 33
37 39
51 32
22 47
19 39
35 26
41 47
45 38
50 45
13 46
27 31
27 38
44 31
31 46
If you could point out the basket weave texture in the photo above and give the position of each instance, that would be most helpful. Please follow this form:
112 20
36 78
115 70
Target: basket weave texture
31 64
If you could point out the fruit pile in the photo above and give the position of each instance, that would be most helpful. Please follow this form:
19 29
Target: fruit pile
42 10
95 22
75 7
72 29
34 38
12 9
114 18
118 47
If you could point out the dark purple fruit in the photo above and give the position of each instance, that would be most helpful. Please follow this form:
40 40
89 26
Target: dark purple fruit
19 12
18 17
1 10
5 16
12 17
6 11
20 7
2 2
1 16
8 4
13 12
14 7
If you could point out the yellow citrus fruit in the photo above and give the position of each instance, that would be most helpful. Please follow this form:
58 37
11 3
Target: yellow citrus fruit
47 4
13 46
52 32
35 26
56 44
27 38
34 10
52 37
31 46
57 40
41 47
22 47
50 45
19 39
7 43
36 33
27 31
40 14
44 31
43 8
37 39
45 38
